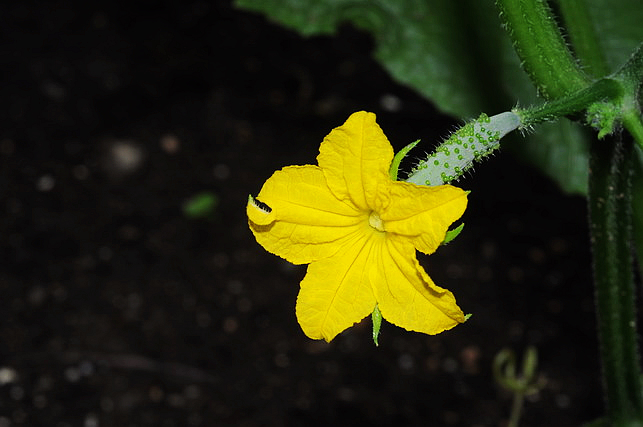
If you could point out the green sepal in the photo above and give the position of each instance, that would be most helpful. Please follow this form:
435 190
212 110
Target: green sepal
467 316
395 165
377 323
452 234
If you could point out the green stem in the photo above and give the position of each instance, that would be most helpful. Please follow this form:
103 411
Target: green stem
634 125
541 47
618 93
631 74
611 227
516 409
602 90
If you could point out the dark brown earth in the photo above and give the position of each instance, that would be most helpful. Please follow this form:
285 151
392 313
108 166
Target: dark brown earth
120 310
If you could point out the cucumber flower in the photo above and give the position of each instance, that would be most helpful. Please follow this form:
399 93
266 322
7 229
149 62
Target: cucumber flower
359 231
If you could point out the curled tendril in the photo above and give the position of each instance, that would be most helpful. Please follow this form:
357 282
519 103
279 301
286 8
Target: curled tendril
522 383
525 382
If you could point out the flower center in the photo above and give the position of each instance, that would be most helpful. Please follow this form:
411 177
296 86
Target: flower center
375 221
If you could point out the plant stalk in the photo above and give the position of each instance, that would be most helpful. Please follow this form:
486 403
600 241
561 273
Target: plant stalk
602 90
611 238
541 47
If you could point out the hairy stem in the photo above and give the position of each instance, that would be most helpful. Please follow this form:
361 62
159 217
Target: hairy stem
541 47
611 234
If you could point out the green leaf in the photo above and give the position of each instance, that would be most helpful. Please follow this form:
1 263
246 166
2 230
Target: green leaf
434 46
560 151
618 26
457 55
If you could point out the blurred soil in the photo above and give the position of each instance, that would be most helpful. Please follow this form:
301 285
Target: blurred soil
120 310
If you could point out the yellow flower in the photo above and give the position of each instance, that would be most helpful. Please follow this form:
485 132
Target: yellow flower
359 231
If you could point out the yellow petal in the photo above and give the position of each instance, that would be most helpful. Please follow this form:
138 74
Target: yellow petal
422 214
298 218
406 295
336 292
355 158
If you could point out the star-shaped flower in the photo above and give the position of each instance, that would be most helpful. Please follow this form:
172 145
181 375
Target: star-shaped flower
359 231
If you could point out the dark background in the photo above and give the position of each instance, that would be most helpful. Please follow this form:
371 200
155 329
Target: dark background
117 309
